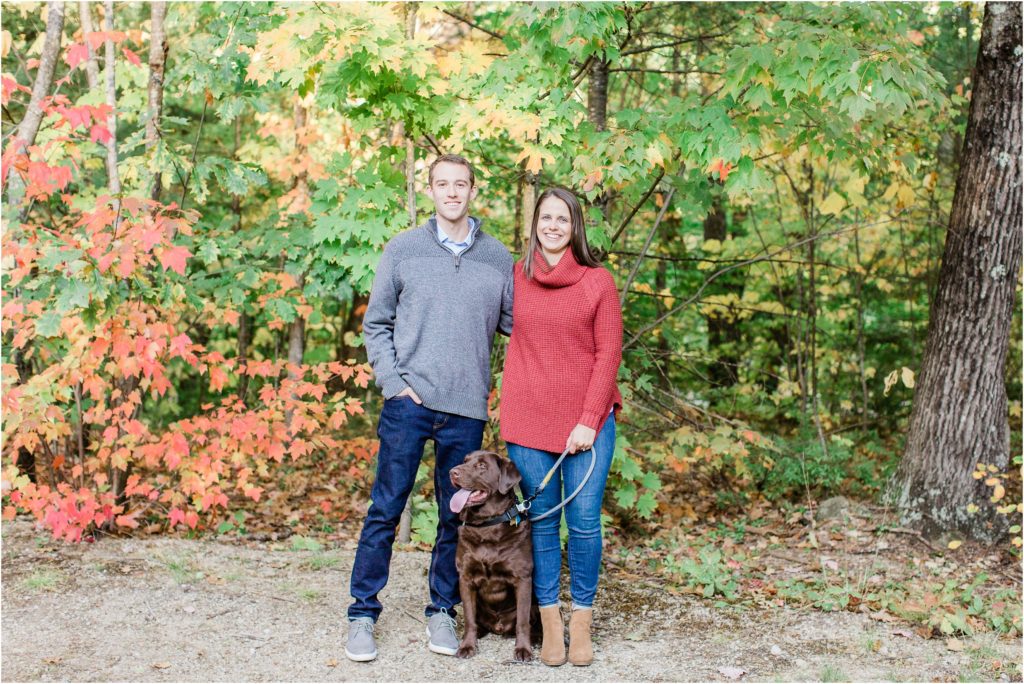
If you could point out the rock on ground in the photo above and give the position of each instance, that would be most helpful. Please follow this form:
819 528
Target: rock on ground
169 609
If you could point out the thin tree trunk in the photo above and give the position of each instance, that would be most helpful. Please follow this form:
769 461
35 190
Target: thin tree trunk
113 180
297 331
25 136
959 418
723 332
405 522
92 68
861 355
157 62
597 95
597 114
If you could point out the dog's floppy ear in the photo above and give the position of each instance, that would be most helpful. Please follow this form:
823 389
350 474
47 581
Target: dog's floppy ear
509 477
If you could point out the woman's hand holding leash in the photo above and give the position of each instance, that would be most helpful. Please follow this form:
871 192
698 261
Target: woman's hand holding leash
580 439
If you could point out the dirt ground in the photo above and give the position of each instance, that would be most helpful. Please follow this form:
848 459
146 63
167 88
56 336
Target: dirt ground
171 609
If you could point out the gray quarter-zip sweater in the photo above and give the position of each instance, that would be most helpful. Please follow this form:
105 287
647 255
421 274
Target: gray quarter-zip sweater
432 317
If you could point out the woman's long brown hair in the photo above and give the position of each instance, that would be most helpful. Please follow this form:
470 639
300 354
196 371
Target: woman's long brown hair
577 233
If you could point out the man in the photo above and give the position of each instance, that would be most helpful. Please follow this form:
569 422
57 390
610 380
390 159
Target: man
440 293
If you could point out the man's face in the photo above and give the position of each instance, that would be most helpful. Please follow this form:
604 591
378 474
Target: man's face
451 191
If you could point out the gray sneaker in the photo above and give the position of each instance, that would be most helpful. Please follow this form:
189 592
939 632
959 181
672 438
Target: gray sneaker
360 646
441 630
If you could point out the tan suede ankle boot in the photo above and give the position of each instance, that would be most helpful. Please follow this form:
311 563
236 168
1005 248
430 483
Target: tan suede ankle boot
552 650
580 650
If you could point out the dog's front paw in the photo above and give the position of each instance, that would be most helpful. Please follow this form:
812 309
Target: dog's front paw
523 654
466 651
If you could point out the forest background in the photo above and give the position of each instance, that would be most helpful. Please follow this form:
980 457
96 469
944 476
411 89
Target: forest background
196 195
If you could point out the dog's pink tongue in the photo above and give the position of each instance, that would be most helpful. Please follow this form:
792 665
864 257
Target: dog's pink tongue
459 500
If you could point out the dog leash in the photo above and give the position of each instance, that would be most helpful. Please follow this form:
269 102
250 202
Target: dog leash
523 507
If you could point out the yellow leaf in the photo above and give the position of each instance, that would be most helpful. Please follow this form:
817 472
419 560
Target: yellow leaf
978 474
535 158
712 246
955 544
907 376
833 204
998 493
669 300
855 186
906 196
5 43
972 508
475 57
890 191
653 156
890 381
771 307
992 481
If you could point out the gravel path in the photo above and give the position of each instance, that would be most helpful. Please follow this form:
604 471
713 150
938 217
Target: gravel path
166 609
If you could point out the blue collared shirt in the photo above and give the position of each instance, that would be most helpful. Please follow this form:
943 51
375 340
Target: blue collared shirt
455 247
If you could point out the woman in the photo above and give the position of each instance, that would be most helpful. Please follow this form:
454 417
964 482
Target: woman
559 392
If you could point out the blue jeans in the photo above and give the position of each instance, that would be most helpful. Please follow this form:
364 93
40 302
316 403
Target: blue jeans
404 429
582 516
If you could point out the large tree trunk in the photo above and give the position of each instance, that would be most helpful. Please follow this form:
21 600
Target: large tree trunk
959 418
157 60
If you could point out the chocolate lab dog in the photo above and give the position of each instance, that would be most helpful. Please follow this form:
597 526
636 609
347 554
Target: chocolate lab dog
494 556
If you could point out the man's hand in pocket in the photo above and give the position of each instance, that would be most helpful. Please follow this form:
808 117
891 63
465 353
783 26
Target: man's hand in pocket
411 393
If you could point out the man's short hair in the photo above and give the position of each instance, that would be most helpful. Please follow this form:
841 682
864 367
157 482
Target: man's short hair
452 159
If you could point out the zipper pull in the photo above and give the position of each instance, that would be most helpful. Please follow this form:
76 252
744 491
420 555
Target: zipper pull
457 258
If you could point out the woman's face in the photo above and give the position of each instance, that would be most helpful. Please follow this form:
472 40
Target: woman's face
554 225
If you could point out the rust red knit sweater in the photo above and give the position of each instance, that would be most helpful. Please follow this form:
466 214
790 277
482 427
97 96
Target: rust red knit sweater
563 354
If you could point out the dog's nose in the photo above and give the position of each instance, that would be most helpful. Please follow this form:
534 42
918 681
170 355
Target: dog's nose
455 476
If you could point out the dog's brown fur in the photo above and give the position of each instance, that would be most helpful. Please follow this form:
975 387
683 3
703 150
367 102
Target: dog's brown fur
495 563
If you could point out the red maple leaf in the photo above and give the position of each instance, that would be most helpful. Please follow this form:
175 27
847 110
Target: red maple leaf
76 54
131 56
180 345
99 133
722 167
173 258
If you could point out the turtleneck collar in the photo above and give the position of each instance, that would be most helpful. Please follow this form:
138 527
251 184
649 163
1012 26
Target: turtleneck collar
566 272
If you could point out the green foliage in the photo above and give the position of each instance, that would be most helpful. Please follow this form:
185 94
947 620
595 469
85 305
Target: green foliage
709 572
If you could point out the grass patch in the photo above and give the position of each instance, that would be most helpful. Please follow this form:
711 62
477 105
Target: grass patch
310 595
182 569
321 561
831 673
300 543
42 579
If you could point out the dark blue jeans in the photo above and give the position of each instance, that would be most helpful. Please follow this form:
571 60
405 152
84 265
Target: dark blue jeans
404 429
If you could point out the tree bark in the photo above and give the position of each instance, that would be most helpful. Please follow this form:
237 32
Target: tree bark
92 69
723 331
959 417
113 180
597 95
29 126
157 62
405 522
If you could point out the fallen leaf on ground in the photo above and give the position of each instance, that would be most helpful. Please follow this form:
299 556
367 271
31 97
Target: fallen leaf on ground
954 645
333 662
903 633
161 666
732 672
53 660
882 616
